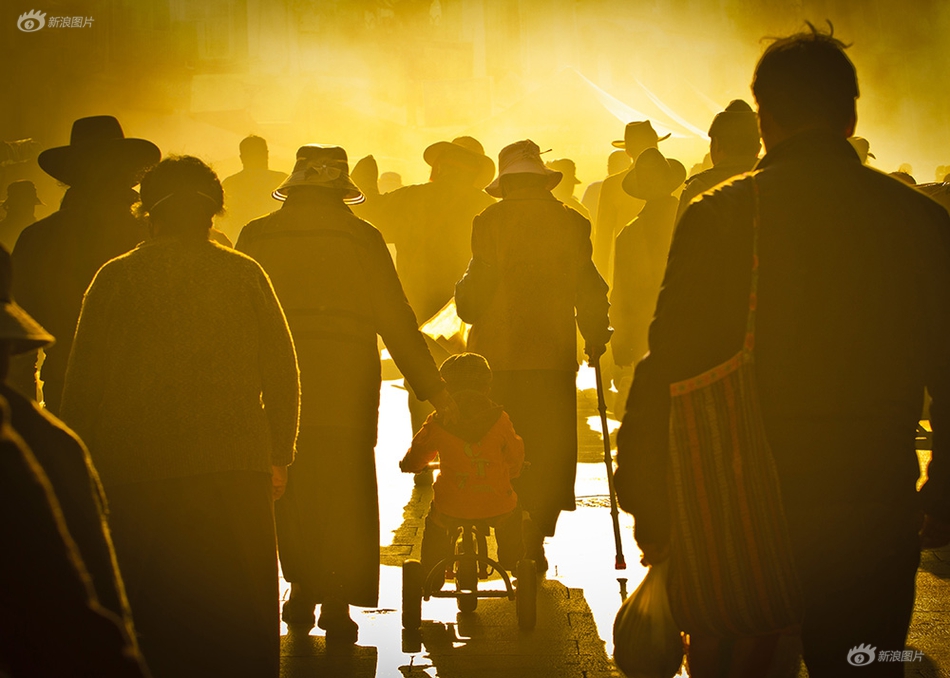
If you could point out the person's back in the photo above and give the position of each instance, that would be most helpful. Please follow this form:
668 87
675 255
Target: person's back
57 257
540 246
334 277
478 456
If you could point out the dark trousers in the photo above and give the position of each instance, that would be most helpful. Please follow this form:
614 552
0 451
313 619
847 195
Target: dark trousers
542 405
858 566
438 540
199 559
328 520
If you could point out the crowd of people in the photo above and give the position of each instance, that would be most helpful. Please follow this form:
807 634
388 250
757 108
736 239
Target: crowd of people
178 413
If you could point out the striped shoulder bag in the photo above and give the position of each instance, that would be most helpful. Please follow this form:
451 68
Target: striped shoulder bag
731 568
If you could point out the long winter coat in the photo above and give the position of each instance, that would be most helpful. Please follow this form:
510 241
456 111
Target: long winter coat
336 281
55 259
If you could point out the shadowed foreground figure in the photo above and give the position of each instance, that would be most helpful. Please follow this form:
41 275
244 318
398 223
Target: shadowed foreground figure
51 624
337 283
62 456
183 382
853 321
531 272
57 257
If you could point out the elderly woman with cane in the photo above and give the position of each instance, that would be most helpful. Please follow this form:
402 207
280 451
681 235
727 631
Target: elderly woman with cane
183 382
530 284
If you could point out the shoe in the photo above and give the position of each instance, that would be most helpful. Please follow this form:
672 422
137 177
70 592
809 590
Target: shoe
298 612
335 620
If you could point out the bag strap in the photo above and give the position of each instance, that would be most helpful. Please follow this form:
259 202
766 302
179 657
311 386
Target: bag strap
749 342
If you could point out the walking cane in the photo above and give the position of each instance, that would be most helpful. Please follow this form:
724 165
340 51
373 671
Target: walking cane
620 563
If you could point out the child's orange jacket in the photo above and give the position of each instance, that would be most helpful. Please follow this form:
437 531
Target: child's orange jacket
478 457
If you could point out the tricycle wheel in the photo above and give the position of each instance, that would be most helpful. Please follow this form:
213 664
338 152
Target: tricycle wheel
412 582
526 594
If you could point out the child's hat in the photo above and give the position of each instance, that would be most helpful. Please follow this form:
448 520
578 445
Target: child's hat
465 371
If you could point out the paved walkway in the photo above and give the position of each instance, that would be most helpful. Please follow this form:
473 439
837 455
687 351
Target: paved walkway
576 602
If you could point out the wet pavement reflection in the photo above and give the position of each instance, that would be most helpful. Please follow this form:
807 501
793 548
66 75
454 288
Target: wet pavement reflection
576 603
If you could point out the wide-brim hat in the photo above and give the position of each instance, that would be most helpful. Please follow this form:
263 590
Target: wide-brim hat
16 325
522 157
322 167
640 134
464 151
22 191
94 142
653 176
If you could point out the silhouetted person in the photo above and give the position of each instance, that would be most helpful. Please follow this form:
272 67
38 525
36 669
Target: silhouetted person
62 456
389 182
734 147
335 277
56 258
564 191
617 162
431 226
19 205
183 381
531 273
640 253
852 322
248 193
51 623
616 208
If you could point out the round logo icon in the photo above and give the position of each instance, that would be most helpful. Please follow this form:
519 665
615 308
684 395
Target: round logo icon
861 655
31 21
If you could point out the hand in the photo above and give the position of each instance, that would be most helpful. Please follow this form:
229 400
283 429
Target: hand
445 406
278 481
935 533
654 554
594 351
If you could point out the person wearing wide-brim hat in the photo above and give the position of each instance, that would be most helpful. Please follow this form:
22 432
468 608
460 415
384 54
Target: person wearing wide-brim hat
640 254
337 283
616 207
431 226
528 288
57 257
734 147
564 191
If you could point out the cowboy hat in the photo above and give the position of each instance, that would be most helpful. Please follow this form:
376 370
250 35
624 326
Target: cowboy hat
97 141
737 120
639 135
653 176
324 167
16 325
521 157
465 151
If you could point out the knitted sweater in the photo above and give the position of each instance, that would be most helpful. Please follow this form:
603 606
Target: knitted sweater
182 364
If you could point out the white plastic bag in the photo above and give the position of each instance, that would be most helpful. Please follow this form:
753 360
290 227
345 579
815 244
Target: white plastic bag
647 642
